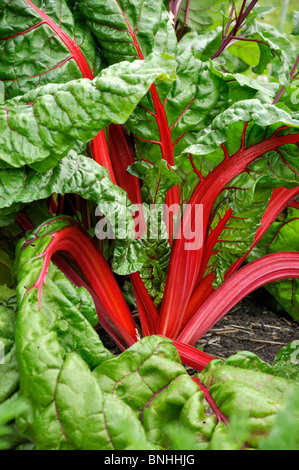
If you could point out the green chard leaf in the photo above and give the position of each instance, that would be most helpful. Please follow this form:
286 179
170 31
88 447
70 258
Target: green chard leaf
81 175
186 106
42 126
9 368
73 174
203 15
242 383
253 110
150 379
116 23
284 435
172 403
170 111
228 126
274 48
75 328
57 349
239 83
42 44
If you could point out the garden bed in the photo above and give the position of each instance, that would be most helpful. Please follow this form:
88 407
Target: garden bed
252 326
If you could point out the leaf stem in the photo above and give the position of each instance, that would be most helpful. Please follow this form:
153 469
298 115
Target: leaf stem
226 40
173 196
95 269
185 264
254 275
292 76
209 399
280 199
191 356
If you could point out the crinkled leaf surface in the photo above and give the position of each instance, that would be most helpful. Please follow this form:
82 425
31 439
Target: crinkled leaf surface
57 349
43 43
74 174
262 114
116 24
242 382
186 104
151 380
77 174
170 111
45 123
9 368
245 383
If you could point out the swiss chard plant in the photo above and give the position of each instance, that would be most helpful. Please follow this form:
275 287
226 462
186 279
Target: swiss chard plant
173 127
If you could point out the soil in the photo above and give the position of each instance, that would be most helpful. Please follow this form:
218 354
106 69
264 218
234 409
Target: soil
252 325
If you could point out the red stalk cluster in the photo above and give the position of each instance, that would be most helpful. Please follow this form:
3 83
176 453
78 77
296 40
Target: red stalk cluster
185 265
190 305
203 305
239 20
95 269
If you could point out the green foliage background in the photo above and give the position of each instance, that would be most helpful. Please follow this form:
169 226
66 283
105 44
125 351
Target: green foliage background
279 19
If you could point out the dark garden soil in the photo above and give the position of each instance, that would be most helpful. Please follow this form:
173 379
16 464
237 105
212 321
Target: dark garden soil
252 325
